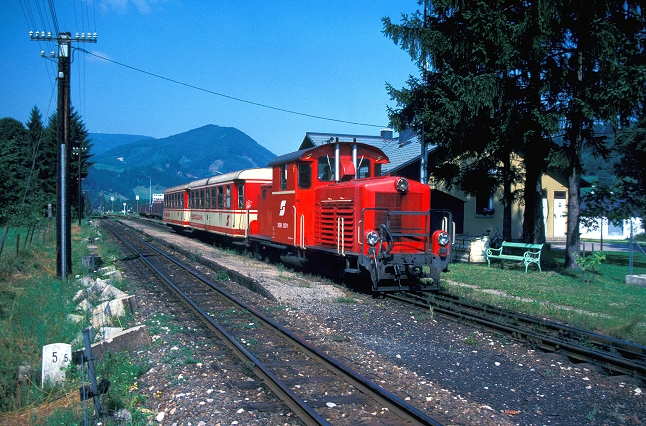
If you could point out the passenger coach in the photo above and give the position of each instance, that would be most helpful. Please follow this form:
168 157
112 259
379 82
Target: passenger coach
225 204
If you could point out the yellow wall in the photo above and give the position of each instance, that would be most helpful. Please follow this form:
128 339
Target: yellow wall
476 225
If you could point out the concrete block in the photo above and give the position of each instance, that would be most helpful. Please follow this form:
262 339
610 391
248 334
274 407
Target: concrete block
75 318
130 340
80 295
111 292
85 281
639 280
103 313
106 269
107 333
115 275
84 306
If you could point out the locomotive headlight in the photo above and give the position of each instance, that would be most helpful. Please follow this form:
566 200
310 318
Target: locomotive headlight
443 238
372 238
402 185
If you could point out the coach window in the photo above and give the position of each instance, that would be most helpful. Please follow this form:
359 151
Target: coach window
304 176
220 199
326 169
228 197
241 196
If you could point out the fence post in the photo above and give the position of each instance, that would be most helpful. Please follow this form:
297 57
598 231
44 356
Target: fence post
632 241
4 235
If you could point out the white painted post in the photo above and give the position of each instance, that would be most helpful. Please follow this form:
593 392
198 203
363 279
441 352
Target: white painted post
56 356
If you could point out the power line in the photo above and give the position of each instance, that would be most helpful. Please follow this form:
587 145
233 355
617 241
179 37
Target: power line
229 96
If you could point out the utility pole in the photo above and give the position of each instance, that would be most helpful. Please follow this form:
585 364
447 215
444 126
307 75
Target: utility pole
63 210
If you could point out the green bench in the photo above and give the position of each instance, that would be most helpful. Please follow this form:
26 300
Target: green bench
531 253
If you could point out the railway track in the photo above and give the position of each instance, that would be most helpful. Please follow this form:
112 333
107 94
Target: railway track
613 355
312 384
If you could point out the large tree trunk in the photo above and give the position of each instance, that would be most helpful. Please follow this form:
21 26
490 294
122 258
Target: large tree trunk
572 241
507 199
533 227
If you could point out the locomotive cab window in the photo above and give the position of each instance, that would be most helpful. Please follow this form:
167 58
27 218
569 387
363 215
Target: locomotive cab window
326 169
304 176
363 171
377 170
283 177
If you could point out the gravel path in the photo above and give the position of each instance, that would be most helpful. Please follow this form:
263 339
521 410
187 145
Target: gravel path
456 372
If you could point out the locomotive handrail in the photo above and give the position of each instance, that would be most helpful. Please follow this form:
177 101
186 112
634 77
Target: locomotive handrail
340 235
295 219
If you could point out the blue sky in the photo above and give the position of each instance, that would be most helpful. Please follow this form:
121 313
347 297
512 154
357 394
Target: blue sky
322 58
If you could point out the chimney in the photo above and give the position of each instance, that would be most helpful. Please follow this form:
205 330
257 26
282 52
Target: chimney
387 134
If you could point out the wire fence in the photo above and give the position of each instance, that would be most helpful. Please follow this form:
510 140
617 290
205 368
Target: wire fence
15 238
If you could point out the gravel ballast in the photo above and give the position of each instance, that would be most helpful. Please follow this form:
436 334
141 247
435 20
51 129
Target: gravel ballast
453 371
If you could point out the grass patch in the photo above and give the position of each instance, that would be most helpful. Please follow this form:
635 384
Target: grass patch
34 306
607 304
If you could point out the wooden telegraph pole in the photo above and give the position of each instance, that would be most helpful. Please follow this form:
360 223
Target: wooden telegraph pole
63 210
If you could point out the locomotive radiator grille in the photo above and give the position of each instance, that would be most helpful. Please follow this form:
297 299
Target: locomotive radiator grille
335 224
399 224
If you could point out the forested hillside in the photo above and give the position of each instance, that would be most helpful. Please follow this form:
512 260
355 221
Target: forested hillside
150 165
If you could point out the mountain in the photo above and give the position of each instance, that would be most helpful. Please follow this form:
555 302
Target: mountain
102 142
139 165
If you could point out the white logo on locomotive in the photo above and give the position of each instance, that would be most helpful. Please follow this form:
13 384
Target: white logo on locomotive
282 208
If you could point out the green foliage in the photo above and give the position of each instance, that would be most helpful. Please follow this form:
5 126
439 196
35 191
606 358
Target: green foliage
123 371
25 329
589 262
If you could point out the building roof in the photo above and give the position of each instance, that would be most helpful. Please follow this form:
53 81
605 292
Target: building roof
317 139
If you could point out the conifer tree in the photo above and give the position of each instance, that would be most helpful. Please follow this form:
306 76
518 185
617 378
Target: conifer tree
597 73
13 143
474 99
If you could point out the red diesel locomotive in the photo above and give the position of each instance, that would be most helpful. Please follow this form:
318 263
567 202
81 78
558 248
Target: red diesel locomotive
326 205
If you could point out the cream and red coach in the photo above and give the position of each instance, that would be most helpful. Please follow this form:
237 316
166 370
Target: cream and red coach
225 204
330 204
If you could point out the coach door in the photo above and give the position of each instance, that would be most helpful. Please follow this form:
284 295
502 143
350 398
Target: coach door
283 227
